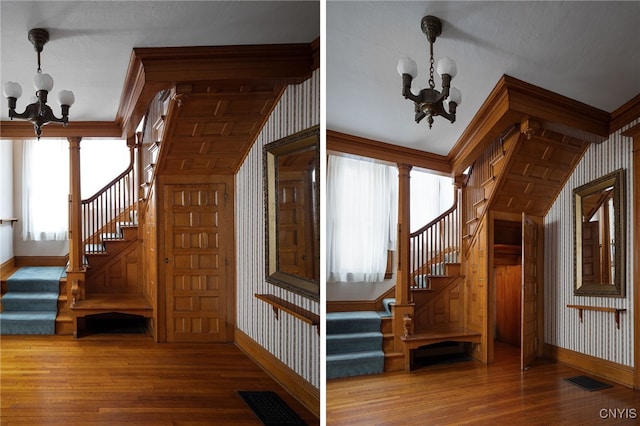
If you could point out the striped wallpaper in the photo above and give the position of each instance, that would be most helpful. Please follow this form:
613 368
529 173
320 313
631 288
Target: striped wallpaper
295 343
597 335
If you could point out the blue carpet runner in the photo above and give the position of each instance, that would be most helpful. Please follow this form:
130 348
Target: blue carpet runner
354 344
30 304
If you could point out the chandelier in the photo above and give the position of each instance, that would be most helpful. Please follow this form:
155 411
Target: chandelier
430 102
38 112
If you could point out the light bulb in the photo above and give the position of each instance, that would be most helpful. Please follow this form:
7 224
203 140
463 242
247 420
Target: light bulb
455 96
447 66
407 66
66 97
11 89
43 82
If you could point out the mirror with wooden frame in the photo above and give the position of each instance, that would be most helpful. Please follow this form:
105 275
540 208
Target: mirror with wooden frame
599 237
292 212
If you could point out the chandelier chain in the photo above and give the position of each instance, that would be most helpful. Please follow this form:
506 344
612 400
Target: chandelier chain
432 84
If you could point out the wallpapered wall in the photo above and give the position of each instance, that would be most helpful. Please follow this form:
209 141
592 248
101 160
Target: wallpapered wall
295 343
597 335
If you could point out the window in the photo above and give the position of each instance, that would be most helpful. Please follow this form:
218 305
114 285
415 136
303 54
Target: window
45 181
431 195
101 160
45 189
361 217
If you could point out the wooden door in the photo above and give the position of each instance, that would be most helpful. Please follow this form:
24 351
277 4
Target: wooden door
196 250
529 317
507 280
295 222
590 252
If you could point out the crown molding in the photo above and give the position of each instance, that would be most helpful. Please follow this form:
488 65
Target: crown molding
154 69
625 114
513 101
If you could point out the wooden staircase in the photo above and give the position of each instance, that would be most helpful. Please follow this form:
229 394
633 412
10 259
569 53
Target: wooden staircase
437 282
111 269
113 277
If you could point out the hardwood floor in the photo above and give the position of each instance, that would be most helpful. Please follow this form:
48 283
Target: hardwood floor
472 393
128 380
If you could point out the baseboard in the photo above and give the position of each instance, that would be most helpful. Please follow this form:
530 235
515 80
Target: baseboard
41 261
291 381
351 306
360 305
7 267
618 373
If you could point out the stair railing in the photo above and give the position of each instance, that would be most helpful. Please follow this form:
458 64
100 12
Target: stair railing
115 202
433 245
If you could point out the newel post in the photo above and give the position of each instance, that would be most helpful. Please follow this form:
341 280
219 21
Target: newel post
403 307
75 272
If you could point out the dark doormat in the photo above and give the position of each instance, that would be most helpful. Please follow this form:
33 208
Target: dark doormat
270 409
587 383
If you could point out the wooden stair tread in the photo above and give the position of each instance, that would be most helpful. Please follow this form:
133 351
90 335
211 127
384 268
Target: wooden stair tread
437 332
443 334
103 303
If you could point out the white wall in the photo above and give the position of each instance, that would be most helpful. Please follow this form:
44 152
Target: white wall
597 335
293 342
6 199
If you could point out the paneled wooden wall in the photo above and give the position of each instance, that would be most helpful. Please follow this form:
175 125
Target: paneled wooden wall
597 335
475 289
441 306
293 342
150 255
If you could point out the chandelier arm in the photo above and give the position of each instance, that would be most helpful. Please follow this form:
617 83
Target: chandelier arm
409 95
446 84
33 113
449 116
406 88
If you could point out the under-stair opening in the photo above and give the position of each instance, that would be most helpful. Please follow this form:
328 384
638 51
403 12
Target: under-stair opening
507 273
442 353
113 323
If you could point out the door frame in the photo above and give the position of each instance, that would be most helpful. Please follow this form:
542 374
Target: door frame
491 308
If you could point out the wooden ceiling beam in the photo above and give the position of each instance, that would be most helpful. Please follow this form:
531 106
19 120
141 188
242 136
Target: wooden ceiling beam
87 129
349 144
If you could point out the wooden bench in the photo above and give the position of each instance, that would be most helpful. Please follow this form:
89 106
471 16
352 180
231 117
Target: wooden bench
436 335
133 304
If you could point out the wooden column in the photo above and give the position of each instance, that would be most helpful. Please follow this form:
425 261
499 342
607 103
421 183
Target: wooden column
76 270
75 206
634 270
404 219
403 307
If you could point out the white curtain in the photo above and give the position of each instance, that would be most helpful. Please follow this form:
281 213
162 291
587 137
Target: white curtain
45 189
361 216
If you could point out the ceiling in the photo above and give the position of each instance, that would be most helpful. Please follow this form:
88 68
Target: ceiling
91 41
587 51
